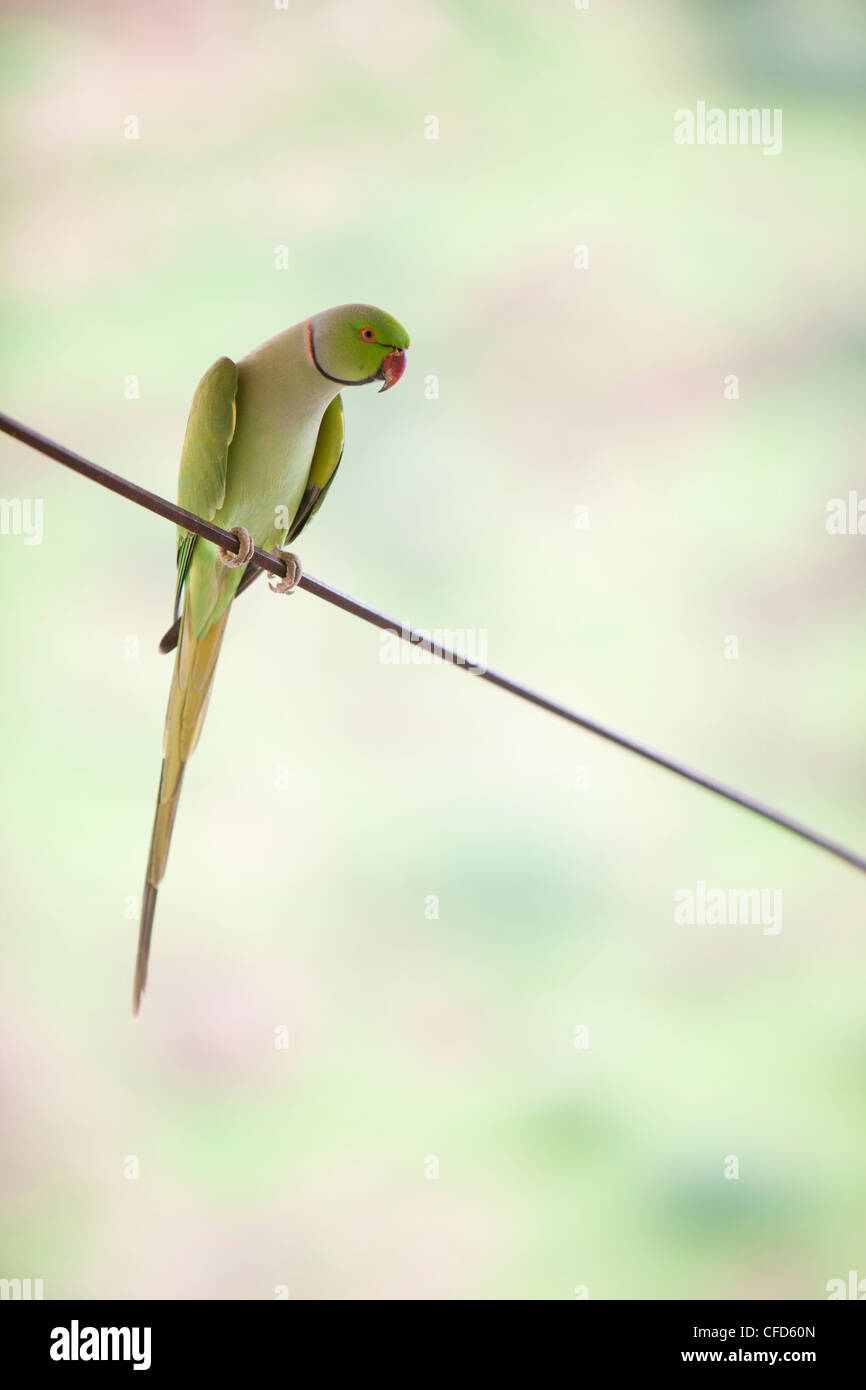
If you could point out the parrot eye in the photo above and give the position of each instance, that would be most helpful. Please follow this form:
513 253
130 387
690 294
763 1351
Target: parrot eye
369 335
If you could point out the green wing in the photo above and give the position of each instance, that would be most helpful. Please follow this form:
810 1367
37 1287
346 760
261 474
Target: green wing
326 461
201 486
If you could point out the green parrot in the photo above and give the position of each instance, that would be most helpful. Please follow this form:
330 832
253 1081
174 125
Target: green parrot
263 442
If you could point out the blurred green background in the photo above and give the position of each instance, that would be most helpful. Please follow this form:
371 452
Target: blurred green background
332 794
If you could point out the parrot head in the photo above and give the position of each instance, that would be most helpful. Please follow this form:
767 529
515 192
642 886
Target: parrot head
356 343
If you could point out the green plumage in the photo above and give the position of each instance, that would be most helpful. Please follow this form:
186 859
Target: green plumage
263 442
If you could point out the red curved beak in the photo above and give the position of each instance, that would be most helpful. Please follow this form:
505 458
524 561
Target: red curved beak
392 368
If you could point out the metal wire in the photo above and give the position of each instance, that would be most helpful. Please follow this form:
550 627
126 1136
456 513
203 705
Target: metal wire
266 561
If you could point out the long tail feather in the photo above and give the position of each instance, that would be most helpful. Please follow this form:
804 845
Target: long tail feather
187 703
148 907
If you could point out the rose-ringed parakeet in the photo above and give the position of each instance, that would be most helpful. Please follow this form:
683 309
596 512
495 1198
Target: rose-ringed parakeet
263 442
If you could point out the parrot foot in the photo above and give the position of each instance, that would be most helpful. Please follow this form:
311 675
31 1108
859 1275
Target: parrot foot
246 546
293 574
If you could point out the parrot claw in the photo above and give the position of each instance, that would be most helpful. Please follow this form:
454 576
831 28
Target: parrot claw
293 574
246 546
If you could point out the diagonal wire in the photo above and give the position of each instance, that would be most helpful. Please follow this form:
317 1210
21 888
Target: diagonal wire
269 562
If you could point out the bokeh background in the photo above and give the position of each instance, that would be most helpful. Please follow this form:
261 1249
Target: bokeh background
334 795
